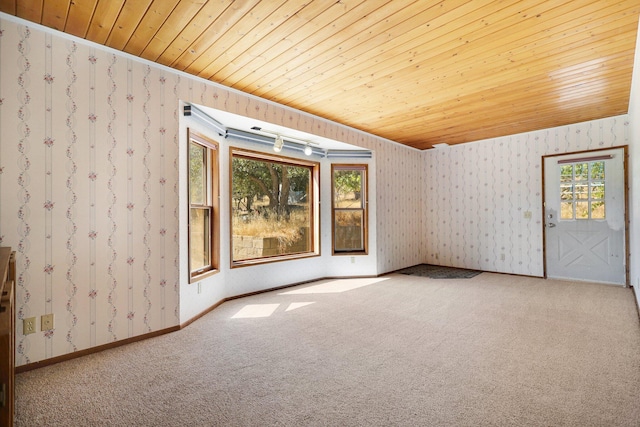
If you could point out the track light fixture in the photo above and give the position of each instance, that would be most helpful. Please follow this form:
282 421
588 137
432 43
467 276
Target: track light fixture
278 144
292 142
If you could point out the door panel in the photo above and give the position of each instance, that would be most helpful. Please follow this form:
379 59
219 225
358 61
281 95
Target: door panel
585 216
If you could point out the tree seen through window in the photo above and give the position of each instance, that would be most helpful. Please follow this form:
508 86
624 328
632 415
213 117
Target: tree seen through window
272 208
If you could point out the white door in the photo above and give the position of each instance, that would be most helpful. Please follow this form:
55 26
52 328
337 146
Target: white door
585 216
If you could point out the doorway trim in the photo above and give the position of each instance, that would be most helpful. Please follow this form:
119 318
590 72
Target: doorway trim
625 173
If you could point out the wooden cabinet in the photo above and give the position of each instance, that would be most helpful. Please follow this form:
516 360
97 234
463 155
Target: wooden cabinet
7 335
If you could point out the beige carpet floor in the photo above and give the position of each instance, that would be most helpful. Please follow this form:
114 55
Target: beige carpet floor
494 350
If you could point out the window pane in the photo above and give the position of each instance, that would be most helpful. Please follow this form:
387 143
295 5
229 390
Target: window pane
581 171
199 236
197 174
566 191
271 212
566 210
582 191
597 190
566 173
348 189
582 210
597 170
597 210
349 230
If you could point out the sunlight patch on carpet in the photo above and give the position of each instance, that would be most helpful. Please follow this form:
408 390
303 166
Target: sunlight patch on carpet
336 286
296 305
255 310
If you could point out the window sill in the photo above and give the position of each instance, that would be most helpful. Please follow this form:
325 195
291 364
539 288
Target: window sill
353 253
261 261
201 276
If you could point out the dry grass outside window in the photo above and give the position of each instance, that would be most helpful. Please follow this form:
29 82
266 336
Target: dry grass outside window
288 232
348 218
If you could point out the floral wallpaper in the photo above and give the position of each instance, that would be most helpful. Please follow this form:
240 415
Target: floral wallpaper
89 186
478 196
87 200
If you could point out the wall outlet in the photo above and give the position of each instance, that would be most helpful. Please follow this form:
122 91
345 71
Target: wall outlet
502 257
46 322
28 325
527 214
353 260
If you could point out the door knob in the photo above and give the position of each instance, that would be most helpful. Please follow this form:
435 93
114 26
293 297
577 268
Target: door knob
550 225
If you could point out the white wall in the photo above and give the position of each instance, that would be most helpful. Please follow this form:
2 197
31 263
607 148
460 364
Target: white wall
91 172
476 195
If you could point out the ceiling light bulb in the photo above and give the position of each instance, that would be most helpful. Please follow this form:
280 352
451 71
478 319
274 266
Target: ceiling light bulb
277 145
307 150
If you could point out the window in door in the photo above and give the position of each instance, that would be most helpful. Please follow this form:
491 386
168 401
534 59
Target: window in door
582 188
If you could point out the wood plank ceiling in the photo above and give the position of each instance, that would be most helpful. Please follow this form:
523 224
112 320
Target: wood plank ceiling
419 72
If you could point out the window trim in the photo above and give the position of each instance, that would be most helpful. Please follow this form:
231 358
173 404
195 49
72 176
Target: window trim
314 196
213 184
365 209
